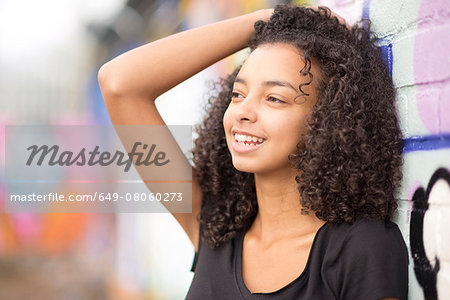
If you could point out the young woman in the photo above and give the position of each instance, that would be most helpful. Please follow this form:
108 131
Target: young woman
296 162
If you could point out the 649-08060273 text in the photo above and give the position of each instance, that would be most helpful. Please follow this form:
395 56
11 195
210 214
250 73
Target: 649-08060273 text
102 197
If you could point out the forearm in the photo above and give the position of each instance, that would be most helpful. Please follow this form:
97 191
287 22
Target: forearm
152 69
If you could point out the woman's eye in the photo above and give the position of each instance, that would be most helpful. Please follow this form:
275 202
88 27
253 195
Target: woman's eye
276 100
236 95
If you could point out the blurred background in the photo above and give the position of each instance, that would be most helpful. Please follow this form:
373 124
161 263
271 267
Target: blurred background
50 53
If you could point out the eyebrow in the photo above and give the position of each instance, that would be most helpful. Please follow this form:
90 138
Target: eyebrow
269 83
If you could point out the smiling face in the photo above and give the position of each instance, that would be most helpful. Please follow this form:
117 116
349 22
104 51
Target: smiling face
265 118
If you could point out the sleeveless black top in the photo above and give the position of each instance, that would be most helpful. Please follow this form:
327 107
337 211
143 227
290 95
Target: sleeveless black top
364 260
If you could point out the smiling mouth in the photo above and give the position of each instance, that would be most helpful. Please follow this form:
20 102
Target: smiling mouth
248 140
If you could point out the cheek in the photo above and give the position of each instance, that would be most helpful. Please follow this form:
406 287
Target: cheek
289 124
289 131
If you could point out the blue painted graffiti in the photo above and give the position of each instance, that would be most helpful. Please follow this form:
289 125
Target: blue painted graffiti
426 143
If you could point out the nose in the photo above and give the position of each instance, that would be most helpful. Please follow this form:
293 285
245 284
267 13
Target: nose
247 109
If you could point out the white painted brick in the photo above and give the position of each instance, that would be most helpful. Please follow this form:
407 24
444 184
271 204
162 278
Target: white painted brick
415 291
391 17
402 217
403 59
409 116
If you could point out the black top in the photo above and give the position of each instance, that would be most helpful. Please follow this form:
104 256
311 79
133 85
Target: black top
365 260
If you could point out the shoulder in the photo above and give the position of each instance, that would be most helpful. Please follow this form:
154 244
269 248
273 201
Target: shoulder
371 259
368 239
367 232
365 241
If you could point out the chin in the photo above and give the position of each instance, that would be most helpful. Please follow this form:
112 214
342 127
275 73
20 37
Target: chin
245 167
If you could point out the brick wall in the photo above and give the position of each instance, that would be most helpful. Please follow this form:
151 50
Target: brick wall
415 38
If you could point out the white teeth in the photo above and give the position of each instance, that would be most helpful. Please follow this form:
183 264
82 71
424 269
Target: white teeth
249 139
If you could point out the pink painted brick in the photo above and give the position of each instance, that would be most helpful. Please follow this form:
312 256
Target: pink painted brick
431 60
433 12
444 108
342 2
427 101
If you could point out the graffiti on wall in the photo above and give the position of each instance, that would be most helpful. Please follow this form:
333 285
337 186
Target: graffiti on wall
430 216
427 223
413 36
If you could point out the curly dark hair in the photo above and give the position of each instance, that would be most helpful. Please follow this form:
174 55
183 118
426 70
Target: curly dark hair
350 158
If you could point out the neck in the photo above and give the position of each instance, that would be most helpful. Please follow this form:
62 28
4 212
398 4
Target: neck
279 209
